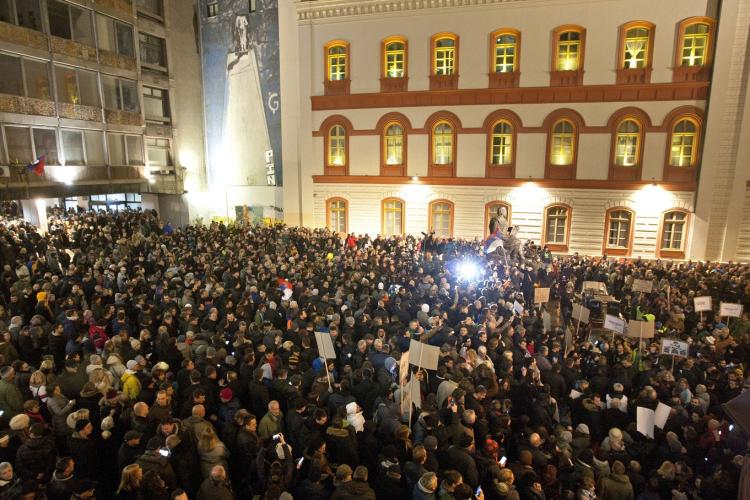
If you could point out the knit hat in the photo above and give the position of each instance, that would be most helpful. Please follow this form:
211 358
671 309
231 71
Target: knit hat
131 365
19 422
431 443
566 437
226 394
80 424
583 429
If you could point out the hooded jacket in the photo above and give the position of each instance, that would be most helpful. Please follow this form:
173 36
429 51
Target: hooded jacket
131 386
615 487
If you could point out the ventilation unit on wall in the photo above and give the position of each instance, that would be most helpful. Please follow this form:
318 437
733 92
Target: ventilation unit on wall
4 171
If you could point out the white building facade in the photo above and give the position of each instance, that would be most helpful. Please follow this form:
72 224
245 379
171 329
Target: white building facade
588 120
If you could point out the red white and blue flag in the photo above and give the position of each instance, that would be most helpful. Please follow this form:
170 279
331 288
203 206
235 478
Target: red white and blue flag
37 167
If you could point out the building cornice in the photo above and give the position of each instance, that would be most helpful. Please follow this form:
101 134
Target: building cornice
324 9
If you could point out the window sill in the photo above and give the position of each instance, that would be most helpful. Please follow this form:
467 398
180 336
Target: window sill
443 82
679 174
442 171
393 170
556 247
394 84
622 173
337 87
617 252
633 76
504 80
566 78
691 74
561 172
336 170
501 171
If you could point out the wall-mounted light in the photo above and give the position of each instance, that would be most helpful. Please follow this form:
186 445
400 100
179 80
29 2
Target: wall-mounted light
415 178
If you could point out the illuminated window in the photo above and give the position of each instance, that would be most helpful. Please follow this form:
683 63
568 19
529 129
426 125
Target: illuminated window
626 143
394 144
568 51
442 144
337 215
673 231
441 218
635 50
445 56
496 209
337 146
618 229
684 141
337 63
394 59
695 45
505 52
502 140
393 217
556 226
562 146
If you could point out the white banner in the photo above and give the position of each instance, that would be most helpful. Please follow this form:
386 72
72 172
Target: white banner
614 323
644 286
729 309
581 313
702 303
671 347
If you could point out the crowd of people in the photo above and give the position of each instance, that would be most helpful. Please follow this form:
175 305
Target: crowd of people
142 361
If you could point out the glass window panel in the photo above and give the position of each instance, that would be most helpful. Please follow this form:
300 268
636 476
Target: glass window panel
45 143
502 139
116 146
337 216
337 63
392 217
445 55
568 51
88 88
157 151
110 89
152 50
441 219
337 145
124 39
394 145
156 104
129 91
19 145
395 55
37 79
6 12
72 141
82 30
684 140
505 53
134 144
443 144
59 19
557 220
563 143
67 85
94 147
694 44
105 33
12 79
619 229
29 14
151 7
626 147
636 48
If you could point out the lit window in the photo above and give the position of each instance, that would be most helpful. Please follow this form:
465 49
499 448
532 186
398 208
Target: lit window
442 144
73 150
506 47
337 215
627 142
393 217
673 231
77 86
394 59
445 56
556 229
157 152
337 146
568 51
695 44
562 147
502 139
684 140
441 214
618 232
636 48
394 144
337 61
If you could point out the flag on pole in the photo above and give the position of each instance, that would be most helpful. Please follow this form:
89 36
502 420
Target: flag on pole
37 166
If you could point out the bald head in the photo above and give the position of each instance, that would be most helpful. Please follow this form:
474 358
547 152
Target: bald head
140 409
218 473
199 411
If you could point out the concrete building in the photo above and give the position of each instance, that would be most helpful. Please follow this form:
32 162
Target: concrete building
600 126
108 92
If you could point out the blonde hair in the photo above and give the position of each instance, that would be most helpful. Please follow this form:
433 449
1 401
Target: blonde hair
129 480
208 439
38 379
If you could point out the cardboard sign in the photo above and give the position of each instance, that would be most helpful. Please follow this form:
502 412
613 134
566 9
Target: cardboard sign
671 347
644 286
325 345
595 285
403 367
615 324
541 295
641 329
645 421
415 392
518 308
581 313
575 394
702 303
423 355
661 415
729 309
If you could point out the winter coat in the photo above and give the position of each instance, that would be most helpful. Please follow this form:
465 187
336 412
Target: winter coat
59 407
460 460
209 458
270 425
615 487
342 446
353 490
154 461
131 386
36 456
84 452
215 490
11 399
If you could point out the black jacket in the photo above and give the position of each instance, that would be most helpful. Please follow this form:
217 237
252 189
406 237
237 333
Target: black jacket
154 461
84 452
36 456
459 459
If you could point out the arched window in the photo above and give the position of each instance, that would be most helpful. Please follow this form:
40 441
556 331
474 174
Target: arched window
336 150
501 145
394 144
392 216
337 68
444 74
441 218
694 48
562 143
568 51
568 55
619 231
442 143
495 209
673 234
683 144
557 227
505 54
635 52
336 214
394 58
627 143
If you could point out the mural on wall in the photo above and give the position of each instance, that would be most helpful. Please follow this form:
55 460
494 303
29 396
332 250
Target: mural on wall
240 42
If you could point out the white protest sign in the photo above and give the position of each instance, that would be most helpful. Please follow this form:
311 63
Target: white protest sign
575 394
325 345
644 286
614 323
415 392
423 355
541 295
595 285
661 415
702 303
671 347
518 308
729 309
645 421
641 329
403 367
581 313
